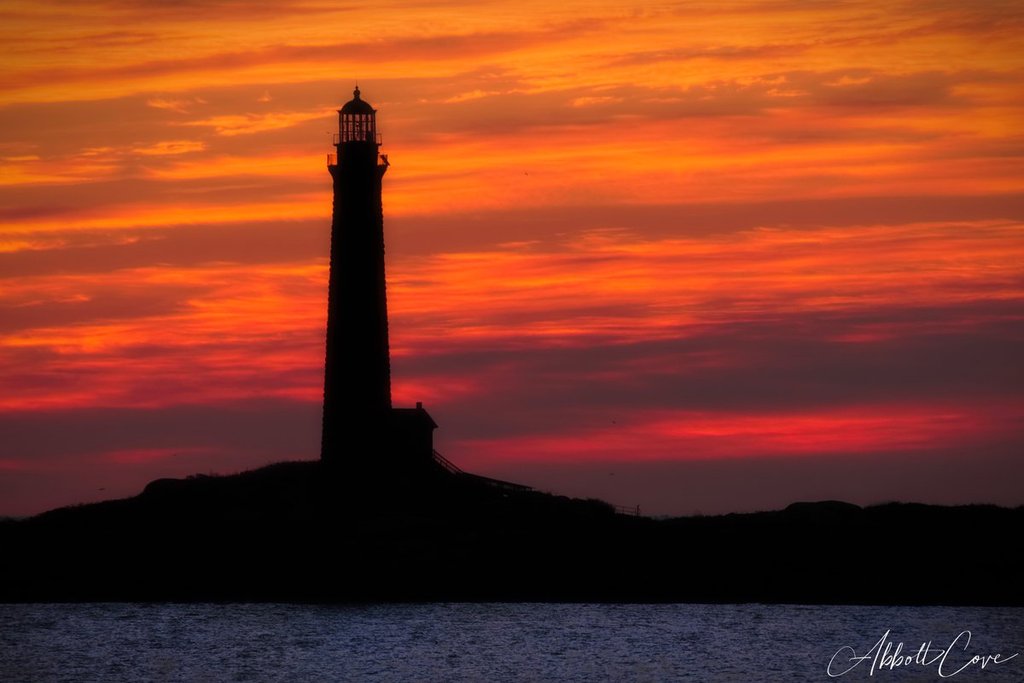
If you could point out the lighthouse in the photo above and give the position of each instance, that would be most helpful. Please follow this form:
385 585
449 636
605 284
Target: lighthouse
361 429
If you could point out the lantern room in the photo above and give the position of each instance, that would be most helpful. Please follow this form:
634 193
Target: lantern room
357 121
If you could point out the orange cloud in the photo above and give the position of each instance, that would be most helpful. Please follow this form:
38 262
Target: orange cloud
170 147
247 124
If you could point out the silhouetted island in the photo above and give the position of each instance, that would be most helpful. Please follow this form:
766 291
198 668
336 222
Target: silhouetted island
300 532
383 516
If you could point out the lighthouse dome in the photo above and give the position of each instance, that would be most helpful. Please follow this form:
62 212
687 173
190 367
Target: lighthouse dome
357 105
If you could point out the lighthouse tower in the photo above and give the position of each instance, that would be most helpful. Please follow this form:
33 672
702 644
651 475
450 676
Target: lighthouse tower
359 424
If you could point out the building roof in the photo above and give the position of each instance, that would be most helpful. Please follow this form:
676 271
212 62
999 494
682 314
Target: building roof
357 105
417 414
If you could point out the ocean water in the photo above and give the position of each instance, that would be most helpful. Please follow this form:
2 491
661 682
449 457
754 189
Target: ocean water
500 642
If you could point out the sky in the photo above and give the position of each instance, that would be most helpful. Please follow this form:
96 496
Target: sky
699 257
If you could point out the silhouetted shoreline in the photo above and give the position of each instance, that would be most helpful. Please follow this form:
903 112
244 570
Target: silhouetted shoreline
306 532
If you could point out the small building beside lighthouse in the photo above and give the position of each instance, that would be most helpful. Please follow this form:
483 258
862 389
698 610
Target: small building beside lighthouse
361 428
